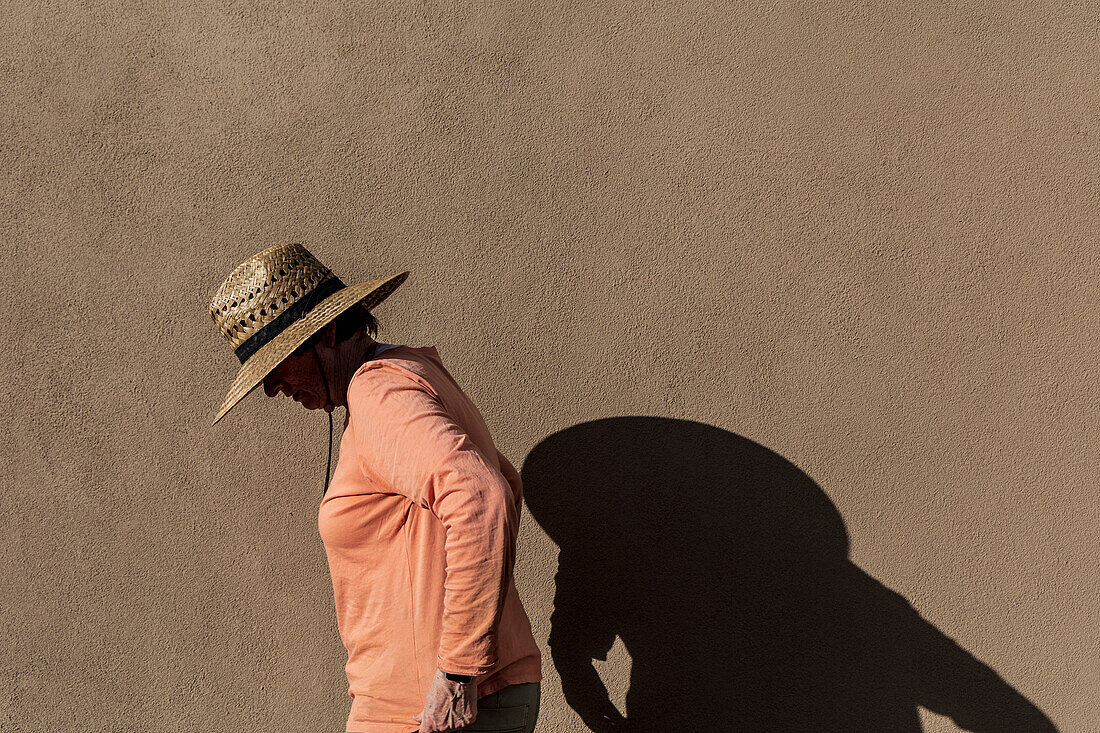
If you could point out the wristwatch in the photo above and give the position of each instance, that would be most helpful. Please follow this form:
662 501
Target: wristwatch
458 677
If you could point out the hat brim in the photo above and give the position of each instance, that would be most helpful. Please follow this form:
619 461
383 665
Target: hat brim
271 354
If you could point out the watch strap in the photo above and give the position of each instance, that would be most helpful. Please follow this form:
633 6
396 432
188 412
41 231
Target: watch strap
458 677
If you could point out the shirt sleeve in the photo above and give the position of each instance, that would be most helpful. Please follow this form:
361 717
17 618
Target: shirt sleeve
514 480
407 439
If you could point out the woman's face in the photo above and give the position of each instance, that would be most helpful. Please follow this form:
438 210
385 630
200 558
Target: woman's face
299 378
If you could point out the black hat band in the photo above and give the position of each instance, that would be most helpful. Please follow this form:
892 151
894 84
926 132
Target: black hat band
293 312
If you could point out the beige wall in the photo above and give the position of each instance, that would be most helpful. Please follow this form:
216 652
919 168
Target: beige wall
786 311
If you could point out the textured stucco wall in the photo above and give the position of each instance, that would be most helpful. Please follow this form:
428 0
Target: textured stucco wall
786 311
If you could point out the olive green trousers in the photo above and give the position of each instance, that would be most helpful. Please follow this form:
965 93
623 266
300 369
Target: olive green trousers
511 709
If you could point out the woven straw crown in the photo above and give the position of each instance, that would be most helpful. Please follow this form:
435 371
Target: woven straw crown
274 301
254 293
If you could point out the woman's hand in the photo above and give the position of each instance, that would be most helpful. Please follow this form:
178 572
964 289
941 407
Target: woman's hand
449 705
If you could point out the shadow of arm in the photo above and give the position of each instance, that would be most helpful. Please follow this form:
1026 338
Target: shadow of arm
582 629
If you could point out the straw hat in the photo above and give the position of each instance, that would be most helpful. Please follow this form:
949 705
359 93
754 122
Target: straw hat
274 301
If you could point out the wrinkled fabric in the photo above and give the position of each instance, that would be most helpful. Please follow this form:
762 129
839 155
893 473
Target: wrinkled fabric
419 526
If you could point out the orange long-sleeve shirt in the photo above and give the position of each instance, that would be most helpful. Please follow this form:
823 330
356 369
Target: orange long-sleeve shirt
419 525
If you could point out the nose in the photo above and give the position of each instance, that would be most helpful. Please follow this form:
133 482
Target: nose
271 387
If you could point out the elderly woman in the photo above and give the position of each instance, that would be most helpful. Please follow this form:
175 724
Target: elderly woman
420 520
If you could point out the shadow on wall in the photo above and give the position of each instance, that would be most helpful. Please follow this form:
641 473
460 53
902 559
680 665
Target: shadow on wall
724 569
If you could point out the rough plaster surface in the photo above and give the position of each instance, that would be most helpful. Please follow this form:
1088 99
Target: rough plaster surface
786 311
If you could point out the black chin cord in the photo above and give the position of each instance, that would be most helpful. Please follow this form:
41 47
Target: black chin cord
328 464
